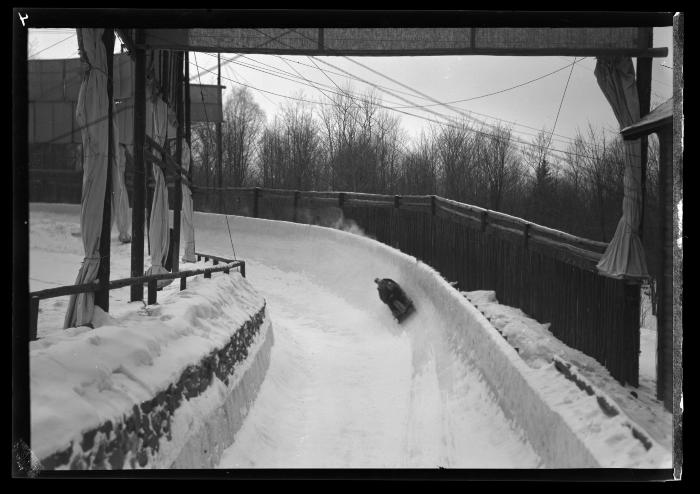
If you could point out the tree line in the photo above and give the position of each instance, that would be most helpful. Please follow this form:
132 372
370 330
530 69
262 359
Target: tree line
352 143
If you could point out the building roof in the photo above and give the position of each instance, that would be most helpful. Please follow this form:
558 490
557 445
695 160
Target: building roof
661 116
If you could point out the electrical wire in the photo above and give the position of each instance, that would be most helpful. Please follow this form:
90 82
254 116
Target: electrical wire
560 105
33 57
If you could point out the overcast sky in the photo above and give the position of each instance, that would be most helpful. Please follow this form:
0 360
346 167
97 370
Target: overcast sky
528 108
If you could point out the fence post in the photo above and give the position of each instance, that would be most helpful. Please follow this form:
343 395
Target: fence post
256 196
297 195
631 332
33 316
243 269
207 274
341 200
484 220
526 235
152 291
183 283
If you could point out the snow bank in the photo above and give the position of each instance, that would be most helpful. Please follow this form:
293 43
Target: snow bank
138 389
538 347
461 336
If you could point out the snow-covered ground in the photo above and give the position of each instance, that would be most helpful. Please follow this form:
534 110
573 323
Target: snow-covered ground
346 386
537 346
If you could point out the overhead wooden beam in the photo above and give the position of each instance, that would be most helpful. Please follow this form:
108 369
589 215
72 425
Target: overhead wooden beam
416 52
313 18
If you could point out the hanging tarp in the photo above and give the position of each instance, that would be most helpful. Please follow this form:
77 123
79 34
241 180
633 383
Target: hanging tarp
120 198
624 257
205 103
187 208
159 232
92 114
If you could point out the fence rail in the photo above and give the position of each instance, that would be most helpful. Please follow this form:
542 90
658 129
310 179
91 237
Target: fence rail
150 280
549 274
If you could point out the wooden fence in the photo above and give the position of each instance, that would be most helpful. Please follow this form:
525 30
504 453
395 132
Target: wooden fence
548 274
150 280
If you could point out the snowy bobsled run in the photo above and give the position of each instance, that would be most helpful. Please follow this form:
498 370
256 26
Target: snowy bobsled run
348 386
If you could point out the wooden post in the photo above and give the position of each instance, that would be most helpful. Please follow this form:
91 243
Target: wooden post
33 316
183 283
139 185
243 269
526 235
152 292
631 332
188 124
219 151
102 295
664 318
177 200
297 194
256 198
644 91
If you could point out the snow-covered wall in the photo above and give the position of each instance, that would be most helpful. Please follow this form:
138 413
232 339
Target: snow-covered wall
458 334
164 386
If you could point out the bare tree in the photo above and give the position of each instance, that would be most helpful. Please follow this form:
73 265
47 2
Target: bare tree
244 121
500 165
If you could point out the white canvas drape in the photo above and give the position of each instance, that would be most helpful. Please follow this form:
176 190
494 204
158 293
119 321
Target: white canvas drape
120 199
624 257
92 115
187 209
159 232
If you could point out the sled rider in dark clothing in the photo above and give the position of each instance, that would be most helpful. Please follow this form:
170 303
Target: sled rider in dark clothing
392 295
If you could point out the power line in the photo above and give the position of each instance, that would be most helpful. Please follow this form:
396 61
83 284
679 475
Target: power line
495 92
569 139
444 117
424 95
51 46
560 104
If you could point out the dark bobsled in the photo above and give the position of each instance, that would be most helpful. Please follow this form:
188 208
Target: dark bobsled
392 295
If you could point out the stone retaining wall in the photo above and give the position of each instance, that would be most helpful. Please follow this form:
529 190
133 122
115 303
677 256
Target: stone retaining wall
135 440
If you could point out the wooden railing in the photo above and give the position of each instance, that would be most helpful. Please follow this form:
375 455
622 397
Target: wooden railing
150 280
549 274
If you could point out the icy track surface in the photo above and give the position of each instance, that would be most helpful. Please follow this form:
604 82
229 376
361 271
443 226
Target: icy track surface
347 386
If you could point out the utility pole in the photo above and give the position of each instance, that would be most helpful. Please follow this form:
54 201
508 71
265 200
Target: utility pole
219 151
